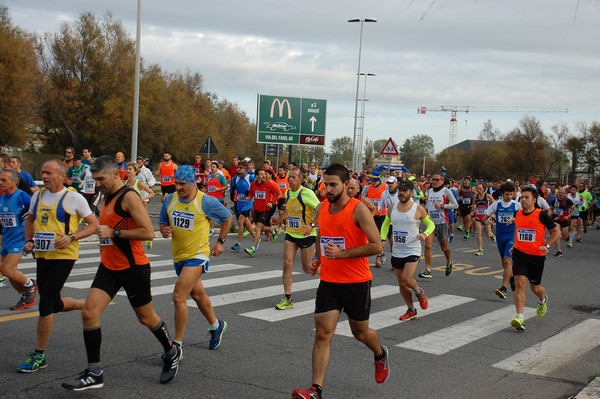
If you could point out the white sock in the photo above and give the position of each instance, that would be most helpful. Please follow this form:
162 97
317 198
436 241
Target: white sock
215 325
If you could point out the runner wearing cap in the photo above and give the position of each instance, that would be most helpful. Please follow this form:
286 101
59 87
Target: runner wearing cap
372 194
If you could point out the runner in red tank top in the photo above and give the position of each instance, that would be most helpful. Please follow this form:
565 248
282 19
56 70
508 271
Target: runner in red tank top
347 237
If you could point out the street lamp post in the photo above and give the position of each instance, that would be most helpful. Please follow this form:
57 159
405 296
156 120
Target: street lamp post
356 154
361 128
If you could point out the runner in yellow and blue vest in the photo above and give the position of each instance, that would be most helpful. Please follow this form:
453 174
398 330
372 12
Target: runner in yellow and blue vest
52 231
300 204
185 216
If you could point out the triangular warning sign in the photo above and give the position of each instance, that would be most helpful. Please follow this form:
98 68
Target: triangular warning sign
389 148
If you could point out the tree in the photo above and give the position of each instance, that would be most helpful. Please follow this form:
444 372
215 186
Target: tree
20 80
489 133
575 145
528 156
415 149
341 150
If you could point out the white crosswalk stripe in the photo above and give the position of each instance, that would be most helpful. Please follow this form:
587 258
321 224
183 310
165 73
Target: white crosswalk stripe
389 317
550 354
449 338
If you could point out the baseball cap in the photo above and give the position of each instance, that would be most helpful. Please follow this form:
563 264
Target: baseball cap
411 178
392 179
142 158
247 159
405 185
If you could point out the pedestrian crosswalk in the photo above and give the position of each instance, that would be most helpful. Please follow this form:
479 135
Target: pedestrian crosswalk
232 283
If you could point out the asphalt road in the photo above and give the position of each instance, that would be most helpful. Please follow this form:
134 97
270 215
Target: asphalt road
461 347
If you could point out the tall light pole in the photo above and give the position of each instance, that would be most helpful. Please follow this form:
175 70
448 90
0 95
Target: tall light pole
361 127
356 153
136 86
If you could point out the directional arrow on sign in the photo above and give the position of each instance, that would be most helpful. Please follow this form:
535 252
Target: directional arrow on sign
312 123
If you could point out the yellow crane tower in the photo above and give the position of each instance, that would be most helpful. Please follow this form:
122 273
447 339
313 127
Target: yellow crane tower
453 109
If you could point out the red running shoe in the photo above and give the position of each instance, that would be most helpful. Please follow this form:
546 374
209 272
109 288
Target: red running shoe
310 393
409 315
423 301
382 370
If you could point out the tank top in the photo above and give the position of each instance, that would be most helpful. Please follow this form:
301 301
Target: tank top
190 228
529 232
340 229
466 193
503 214
438 216
374 194
299 213
283 184
404 234
212 183
50 223
167 174
481 204
117 253
561 208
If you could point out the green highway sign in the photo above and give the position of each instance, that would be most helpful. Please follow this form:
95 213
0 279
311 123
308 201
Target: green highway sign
290 120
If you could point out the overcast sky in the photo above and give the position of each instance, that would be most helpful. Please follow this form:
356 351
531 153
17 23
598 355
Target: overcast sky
510 53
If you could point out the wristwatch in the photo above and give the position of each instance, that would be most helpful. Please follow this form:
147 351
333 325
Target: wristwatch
313 225
547 246
116 233
221 240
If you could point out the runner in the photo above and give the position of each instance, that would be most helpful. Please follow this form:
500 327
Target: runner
188 227
216 185
464 209
372 193
438 199
166 172
563 211
124 224
481 203
300 204
504 211
51 230
529 254
584 207
239 192
14 205
405 217
264 193
347 237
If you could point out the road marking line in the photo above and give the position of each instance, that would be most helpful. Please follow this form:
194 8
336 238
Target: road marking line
449 338
307 307
80 261
388 318
250 295
550 354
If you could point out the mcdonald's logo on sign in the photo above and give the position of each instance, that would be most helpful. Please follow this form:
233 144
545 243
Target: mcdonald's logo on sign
280 105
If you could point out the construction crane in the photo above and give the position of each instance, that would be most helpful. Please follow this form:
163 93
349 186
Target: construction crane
453 109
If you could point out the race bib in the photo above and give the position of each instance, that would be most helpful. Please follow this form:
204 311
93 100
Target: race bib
481 211
8 219
526 235
90 185
282 185
466 201
294 222
167 179
400 237
105 242
242 197
436 214
339 241
43 242
260 195
375 201
212 189
504 217
76 179
183 220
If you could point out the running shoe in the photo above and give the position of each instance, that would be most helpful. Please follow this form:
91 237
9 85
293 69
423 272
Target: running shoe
558 254
236 247
451 241
382 370
170 365
86 380
212 233
501 292
409 315
245 233
466 236
310 393
479 253
33 363
257 245
216 336
268 237
570 244
426 274
459 227
584 229
148 244
518 322
423 301
512 283
285 304
23 303
250 251
449 268
475 234
378 261
383 258
275 234
542 307
493 238
3 282
578 239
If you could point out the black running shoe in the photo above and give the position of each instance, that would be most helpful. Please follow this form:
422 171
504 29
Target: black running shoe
86 380
170 365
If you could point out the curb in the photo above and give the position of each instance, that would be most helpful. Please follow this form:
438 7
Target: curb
592 391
